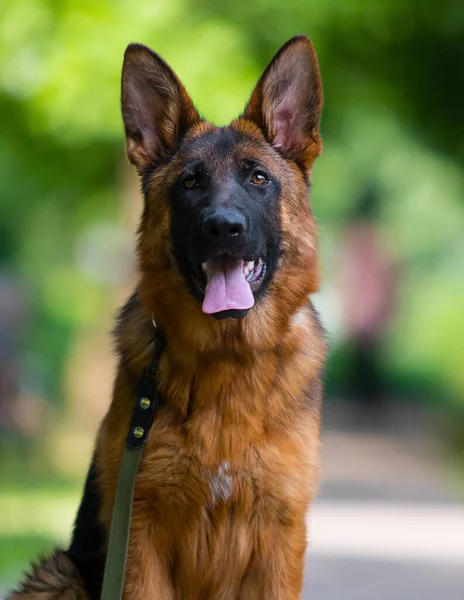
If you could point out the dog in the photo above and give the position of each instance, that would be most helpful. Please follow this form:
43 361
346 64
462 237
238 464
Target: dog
227 256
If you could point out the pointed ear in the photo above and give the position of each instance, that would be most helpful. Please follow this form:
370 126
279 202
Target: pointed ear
156 109
287 102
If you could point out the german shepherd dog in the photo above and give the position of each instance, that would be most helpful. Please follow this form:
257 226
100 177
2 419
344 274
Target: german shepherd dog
228 260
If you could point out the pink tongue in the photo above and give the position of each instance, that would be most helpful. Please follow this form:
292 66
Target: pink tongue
227 287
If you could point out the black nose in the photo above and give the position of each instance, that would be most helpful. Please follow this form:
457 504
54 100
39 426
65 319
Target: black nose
224 224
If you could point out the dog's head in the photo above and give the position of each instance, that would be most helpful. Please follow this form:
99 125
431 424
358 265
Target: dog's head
227 230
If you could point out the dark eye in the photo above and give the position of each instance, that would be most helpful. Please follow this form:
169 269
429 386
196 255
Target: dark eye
190 183
259 178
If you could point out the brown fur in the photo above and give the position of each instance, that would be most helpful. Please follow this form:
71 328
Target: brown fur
54 578
231 461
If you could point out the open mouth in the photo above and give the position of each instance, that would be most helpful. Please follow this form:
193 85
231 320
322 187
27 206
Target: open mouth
228 283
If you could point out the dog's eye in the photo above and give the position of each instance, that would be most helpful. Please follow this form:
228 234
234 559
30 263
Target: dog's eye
190 183
259 178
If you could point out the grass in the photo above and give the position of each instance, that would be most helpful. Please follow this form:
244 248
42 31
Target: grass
35 515
16 553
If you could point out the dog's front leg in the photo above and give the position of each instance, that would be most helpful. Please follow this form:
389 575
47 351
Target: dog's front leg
147 573
276 569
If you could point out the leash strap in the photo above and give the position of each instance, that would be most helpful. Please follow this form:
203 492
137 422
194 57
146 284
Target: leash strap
142 419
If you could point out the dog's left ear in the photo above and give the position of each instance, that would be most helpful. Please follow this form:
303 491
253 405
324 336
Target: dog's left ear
287 102
156 109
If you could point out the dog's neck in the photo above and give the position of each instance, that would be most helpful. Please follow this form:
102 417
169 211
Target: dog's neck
198 385
234 341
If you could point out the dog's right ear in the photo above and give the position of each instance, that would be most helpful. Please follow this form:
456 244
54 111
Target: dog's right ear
156 109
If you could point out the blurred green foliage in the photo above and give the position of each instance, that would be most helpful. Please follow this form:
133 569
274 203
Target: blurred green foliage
394 84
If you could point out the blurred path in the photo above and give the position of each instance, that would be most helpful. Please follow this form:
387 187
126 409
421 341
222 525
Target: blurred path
386 524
